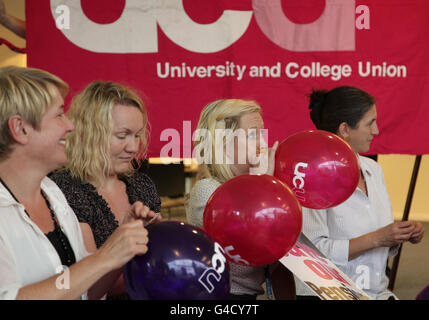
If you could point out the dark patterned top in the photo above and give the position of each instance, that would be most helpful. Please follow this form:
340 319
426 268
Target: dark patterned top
90 207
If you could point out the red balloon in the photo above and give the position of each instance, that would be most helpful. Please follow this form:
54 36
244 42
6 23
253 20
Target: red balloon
320 168
255 218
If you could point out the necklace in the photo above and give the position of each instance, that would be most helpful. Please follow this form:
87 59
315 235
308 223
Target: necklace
57 237
65 251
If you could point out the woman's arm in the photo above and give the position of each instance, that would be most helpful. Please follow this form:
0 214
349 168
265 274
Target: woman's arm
315 227
14 24
93 273
76 280
388 236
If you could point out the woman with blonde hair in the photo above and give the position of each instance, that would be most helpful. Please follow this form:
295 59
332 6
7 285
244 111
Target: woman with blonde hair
42 251
99 180
230 143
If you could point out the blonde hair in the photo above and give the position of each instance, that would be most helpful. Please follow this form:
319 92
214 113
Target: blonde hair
88 146
221 114
28 92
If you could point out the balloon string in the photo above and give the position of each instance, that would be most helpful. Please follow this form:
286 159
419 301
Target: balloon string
12 47
268 286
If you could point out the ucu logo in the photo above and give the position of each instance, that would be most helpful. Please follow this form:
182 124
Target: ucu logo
235 257
136 29
215 272
298 181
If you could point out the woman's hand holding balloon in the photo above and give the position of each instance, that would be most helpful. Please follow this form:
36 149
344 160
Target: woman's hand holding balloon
128 240
139 211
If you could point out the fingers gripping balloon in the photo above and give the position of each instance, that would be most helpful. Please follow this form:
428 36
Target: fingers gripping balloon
182 262
255 218
320 168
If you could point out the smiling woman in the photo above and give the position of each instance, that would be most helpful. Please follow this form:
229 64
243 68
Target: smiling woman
99 180
52 132
39 233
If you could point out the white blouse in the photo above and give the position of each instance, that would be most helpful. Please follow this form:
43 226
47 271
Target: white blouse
332 229
244 280
26 254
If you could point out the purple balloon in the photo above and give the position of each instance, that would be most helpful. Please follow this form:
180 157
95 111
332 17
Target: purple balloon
424 294
182 262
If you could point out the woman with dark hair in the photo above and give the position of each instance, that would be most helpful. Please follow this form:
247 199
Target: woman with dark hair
359 234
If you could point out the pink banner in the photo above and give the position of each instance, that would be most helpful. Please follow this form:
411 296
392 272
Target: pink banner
183 54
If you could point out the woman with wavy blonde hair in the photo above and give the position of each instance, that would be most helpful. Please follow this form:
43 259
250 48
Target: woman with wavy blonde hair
42 251
99 180
227 129
89 146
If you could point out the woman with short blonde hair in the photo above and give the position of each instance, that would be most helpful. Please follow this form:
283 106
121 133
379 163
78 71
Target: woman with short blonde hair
41 244
28 92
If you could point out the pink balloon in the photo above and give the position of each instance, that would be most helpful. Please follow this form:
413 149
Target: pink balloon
255 218
320 168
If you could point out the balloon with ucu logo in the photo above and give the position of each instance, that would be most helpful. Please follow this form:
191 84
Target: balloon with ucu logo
182 263
255 218
320 168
